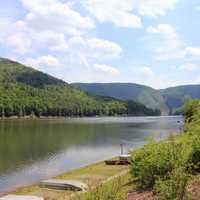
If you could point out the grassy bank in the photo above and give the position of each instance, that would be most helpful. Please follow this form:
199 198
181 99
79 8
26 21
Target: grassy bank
94 175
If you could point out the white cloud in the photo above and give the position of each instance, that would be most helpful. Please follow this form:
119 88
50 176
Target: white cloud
146 71
104 45
48 24
20 42
86 52
166 43
14 35
189 67
95 48
53 15
43 62
54 41
116 11
5 25
154 7
23 40
193 51
125 13
167 31
106 69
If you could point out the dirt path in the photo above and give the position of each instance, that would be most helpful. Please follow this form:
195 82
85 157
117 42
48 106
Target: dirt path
141 195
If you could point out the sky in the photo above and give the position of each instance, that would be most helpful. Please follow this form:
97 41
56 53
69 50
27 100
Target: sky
150 42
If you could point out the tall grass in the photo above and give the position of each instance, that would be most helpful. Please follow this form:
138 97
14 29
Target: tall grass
113 190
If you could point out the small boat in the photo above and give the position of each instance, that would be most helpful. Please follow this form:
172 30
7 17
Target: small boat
63 185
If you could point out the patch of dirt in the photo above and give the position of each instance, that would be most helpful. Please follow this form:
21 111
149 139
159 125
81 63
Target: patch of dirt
194 189
141 195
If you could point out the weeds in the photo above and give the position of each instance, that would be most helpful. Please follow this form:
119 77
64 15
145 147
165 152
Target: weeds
108 191
174 187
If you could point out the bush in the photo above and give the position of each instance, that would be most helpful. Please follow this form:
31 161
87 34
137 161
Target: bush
191 110
157 159
174 187
194 157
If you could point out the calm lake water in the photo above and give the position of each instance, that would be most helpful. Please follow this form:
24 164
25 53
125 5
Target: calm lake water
34 150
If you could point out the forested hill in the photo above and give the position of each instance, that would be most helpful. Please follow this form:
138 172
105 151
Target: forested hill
176 96
127 91
28 92
167 100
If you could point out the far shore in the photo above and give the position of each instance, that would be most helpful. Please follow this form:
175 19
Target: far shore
72 117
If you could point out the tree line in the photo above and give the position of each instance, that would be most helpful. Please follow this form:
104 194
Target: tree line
27 92
21 100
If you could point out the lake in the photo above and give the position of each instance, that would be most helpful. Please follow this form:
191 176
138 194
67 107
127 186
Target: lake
33 150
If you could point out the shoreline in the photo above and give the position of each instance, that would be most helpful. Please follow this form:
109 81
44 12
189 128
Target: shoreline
76 117
92 174
56 176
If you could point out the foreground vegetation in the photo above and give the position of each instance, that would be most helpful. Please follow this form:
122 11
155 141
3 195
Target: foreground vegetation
27 92
112 190
167 166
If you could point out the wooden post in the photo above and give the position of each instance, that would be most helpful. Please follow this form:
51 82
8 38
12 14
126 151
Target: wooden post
122 151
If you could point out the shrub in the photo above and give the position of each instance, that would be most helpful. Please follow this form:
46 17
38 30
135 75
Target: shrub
191 110
194 157
165 165
174 187
157 159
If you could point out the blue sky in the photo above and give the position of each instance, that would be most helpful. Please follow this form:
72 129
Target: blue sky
151 42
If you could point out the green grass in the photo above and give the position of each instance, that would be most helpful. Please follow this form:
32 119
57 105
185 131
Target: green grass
93 175
116 189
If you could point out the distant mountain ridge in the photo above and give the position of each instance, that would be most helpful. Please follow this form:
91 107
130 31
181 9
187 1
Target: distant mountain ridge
26 91
166 100
176 96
